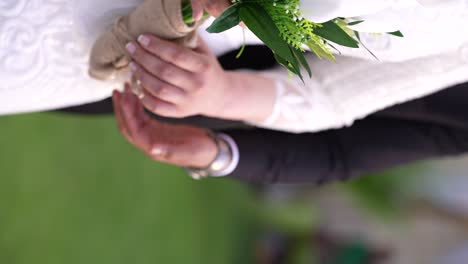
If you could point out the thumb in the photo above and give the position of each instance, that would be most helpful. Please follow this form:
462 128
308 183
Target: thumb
197 10
216 7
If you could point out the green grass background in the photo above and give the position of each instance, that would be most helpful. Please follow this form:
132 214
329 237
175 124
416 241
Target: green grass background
73 191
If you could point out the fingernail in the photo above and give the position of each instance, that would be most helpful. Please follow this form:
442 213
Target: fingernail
143 40
133 66
127 89
130 47
140 95
197 10
157 151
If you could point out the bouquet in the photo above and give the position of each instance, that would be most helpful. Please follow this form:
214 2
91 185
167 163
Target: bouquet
283 27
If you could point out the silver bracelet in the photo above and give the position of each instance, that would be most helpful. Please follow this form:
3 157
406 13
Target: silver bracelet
222 161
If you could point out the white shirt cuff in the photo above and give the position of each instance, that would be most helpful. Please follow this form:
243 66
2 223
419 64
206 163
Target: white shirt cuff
235 156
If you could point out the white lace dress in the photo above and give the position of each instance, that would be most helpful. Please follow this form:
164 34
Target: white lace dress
44 49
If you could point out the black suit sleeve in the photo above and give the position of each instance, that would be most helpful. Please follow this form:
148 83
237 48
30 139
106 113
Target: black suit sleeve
418 130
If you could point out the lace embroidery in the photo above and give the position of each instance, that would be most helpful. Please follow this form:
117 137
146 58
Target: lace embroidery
43 61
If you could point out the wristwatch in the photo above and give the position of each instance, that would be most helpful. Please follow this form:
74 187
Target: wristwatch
225 162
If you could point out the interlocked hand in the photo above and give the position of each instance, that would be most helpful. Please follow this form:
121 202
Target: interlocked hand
175 144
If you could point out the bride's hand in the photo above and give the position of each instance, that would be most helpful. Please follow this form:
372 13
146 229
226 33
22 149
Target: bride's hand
177 81
175 144
214 7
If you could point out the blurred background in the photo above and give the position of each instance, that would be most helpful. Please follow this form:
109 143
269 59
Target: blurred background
73 191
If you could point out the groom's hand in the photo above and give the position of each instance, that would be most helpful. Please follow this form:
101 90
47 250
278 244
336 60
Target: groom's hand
175 144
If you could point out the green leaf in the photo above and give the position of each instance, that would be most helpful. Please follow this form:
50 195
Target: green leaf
333 47
261 24
397 34
320 52
334 33
229 19
355 23
365 47
302 60
288 65
296 69
283 62
241 51
187 13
